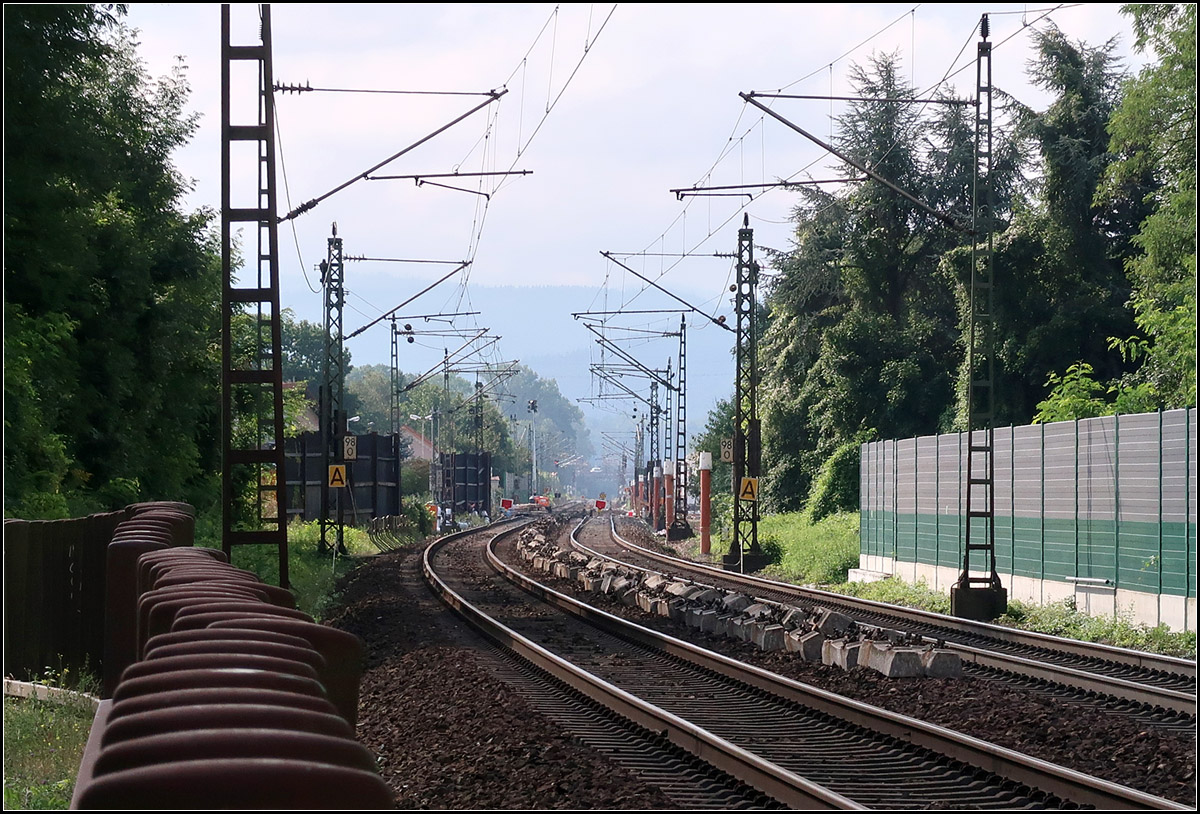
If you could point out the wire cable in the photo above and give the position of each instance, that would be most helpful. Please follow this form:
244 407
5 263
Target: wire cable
287 193
739 141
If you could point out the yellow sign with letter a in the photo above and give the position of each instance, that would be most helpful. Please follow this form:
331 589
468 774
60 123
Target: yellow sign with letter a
749 489
337 476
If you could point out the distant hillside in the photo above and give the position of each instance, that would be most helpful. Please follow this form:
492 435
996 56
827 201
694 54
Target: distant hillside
537 328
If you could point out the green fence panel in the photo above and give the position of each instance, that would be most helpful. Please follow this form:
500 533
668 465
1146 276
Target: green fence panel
1110 498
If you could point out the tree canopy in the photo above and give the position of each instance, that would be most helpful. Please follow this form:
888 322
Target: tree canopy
863 332
1094 215
1154 135
112 290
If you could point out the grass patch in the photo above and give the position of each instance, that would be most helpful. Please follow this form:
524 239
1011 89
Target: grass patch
896 591
1063 619
822 553
811 553
689 549
312 575
43 744
1056 619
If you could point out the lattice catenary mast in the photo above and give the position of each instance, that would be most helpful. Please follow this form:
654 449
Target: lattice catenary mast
252 442
744 553
981 596
333 377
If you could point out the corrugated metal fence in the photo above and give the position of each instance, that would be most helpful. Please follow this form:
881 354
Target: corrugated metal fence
374 478
1110 498
54 593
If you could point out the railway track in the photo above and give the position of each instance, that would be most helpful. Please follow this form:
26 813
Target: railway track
1157 690
800 746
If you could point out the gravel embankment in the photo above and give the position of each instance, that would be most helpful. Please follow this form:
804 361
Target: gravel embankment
446 732
449 734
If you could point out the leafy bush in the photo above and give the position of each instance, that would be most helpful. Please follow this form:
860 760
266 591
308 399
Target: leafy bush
41 506
1075 394
1063 619
420 517
812 553
722 517
771 547
120 492
835 489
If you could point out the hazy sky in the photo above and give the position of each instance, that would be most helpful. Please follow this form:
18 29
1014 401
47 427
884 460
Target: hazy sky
609 107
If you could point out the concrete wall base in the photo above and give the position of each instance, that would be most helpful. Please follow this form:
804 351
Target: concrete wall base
1176 612
863 575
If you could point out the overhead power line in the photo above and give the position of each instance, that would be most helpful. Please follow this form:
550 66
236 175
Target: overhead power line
460 267
719 321
307 88
964 102
304 207
947 219
697 191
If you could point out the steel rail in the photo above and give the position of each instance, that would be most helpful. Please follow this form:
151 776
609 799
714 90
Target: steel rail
783 785
1077 679
1066 783
1166 698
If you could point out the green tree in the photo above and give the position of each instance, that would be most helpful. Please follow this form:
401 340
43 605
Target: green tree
296 403
718 426
863 325
564 418
303 345
1077 394
561 429
1062 288
805 299
112 291
370 385
1154 134
496 439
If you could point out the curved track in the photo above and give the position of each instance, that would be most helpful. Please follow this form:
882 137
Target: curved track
799 745
1155 689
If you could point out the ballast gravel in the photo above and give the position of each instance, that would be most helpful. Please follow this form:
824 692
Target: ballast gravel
447 734
1111 747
